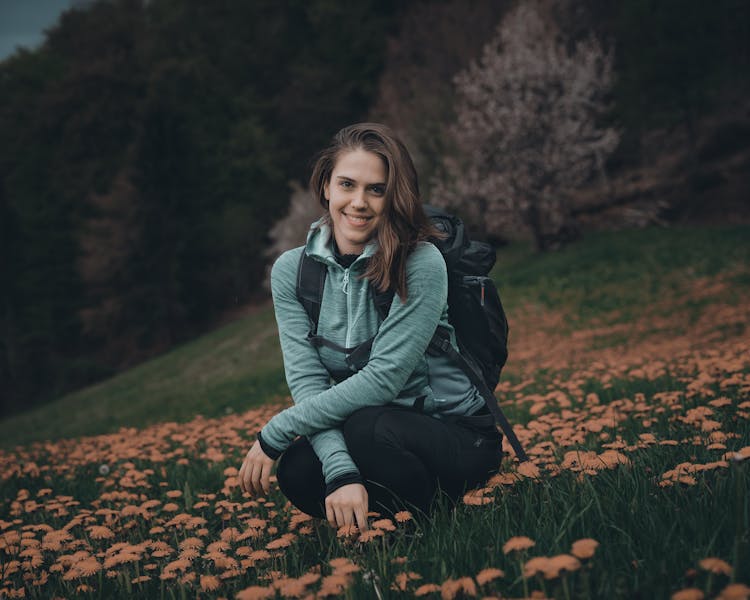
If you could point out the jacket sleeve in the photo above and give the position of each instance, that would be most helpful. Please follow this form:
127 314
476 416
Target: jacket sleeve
399 344
306 376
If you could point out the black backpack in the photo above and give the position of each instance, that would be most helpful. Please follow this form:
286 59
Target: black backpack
474 311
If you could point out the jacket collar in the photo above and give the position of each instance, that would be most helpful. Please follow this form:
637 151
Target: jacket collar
319 245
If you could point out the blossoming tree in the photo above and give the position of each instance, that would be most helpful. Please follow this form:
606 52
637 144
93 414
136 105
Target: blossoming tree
527 132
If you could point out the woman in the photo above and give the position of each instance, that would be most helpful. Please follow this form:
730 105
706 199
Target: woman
403 426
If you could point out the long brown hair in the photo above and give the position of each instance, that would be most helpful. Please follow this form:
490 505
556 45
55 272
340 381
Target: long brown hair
404 222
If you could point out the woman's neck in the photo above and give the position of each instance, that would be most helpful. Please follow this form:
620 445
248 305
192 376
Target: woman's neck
345 260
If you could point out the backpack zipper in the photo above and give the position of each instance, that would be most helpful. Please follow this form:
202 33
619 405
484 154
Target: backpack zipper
477 280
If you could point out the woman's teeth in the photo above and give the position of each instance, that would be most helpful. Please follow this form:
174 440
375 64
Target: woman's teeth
358 219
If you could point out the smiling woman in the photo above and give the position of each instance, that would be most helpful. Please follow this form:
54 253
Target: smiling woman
378 423
356 198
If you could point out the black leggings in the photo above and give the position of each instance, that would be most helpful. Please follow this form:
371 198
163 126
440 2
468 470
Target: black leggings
404 456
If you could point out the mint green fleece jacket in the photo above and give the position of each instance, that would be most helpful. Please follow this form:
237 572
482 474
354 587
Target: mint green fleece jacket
398 370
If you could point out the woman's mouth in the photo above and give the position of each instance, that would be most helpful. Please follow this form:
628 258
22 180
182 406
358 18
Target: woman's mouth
357 220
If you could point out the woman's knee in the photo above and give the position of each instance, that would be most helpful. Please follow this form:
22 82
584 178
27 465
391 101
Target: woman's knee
370 430
299 473
358 427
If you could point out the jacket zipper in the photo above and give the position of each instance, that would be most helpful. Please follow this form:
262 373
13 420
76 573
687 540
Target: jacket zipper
345 289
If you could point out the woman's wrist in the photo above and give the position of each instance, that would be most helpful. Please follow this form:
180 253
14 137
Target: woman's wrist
342 480
269 450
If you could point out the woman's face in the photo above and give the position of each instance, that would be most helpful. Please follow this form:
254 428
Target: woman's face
356 198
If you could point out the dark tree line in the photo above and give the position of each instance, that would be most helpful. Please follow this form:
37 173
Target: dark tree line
146 149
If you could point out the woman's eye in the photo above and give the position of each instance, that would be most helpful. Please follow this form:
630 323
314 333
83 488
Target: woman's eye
346 184
379 190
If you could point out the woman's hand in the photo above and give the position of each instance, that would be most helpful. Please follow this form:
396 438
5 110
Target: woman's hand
255 471
348 506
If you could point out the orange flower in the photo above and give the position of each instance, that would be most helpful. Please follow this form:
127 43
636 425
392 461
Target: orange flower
174 494
688 594
100 532
560 563
191 542
734 591
529 469
427 588
210 583
333 585
401 581
347 531
517 544
384 524
141 579
278 543
218 546
343 566
716 565
298 519
452 587
536 565
186 554
259 555
584 548
477 498
255 592
177 565
403 516
230 534
256 523
487 575
369 535
309 578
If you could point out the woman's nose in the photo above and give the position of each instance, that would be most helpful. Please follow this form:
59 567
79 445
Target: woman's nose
358 198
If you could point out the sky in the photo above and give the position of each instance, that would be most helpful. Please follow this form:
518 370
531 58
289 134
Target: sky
22 22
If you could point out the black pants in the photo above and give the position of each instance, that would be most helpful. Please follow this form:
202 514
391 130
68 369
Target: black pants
404 456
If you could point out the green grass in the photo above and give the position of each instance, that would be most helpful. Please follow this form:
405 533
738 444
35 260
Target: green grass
624 271
651 537
231 369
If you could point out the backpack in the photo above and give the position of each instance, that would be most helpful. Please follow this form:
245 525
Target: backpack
474 310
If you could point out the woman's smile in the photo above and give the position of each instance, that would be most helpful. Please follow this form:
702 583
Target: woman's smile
357 220
356 198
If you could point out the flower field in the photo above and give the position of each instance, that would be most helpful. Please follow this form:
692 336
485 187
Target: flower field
637 424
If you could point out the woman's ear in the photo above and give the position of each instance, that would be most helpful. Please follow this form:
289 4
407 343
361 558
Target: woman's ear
325 191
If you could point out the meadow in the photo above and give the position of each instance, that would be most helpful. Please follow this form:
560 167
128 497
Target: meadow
628 383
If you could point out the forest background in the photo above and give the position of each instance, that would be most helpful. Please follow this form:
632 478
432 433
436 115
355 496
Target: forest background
150 150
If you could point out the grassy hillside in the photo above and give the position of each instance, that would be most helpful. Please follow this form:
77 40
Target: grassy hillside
611 276
629 387
231 369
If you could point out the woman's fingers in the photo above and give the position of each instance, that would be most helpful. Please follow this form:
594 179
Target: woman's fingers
360 514
330 514
348 505
254 479
265 476
241 476
255 472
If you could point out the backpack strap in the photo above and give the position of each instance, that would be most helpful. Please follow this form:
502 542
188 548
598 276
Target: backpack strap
441 343
383 301
311 278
